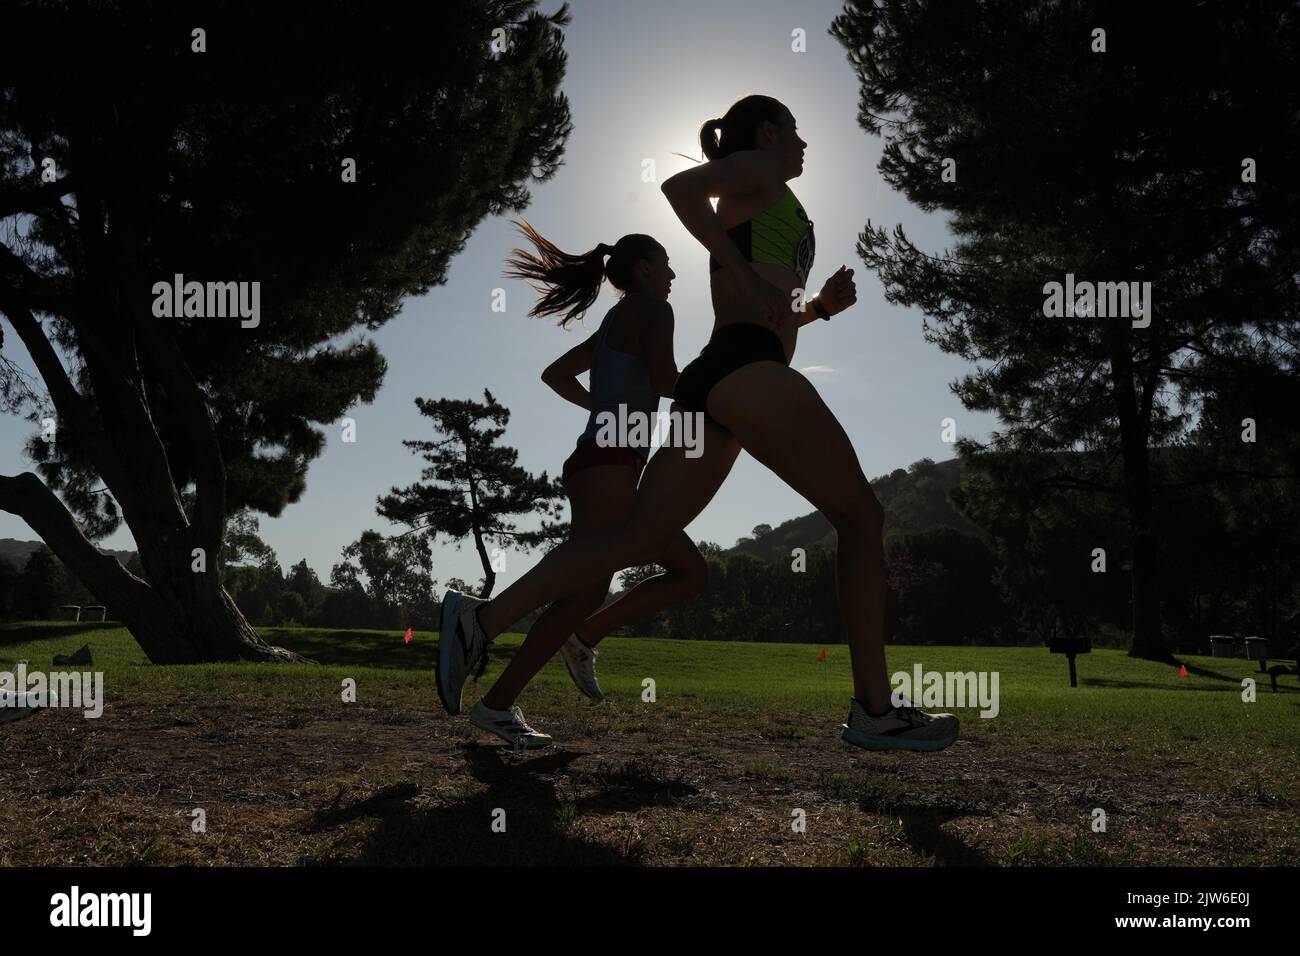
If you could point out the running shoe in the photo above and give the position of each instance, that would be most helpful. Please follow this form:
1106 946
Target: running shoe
899 728
581 662
509 725
461 646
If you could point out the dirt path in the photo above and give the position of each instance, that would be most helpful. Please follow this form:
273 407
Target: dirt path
390 785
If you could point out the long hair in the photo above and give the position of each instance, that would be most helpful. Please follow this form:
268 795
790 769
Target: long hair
569 283
736 129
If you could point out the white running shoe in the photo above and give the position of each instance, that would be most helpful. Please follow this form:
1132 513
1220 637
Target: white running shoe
16 706
581 662
509 725
900 728
461 645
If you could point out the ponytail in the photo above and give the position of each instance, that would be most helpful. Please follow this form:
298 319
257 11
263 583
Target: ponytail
737 128
709 144
570 283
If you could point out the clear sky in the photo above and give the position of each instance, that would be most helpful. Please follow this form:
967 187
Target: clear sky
641 80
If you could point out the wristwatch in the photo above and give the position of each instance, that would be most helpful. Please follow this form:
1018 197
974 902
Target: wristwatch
820 309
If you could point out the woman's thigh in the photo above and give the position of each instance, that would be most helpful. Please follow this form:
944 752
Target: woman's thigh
600 498
676 487
777 416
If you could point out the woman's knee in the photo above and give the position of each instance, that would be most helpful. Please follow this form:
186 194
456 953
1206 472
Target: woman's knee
858 512
638 543
693 573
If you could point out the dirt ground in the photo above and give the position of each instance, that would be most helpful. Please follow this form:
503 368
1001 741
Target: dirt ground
393 785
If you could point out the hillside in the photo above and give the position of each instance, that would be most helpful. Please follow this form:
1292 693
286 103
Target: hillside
914 499
16 551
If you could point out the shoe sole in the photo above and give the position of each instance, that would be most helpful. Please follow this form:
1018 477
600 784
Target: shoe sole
577 683
446 637
512 743
893 743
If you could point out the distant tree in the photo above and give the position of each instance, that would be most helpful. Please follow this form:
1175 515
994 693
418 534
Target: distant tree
630 578
394 574
945 586
40 585
302 580
473 486
292 608
242 543
9 576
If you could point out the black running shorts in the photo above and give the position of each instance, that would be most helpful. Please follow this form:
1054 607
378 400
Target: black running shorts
731 347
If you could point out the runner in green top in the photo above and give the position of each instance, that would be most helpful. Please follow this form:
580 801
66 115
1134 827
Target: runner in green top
781 234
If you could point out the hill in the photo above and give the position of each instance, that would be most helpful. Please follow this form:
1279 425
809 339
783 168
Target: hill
914 499
16 551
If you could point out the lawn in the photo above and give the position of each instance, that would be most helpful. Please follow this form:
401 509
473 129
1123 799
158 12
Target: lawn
739 739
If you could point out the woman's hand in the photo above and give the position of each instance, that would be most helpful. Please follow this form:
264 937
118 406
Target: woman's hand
839 292
767 301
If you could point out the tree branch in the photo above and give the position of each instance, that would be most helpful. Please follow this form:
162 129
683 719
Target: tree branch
16 201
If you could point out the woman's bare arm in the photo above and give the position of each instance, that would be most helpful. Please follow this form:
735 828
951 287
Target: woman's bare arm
657 344
562 374
740 174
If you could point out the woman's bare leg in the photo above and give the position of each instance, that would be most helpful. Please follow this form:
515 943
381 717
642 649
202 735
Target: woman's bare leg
685 574
673 490
599 499
545 637
778 417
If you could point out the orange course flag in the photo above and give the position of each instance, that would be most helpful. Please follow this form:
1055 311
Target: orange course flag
410 636
822 659
1182 671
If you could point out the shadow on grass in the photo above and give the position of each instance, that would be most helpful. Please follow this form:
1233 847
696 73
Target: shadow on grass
339 647
633 784
31 632
920 814
539 826
1195 670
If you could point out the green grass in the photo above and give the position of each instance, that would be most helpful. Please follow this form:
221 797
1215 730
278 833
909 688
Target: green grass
1121 705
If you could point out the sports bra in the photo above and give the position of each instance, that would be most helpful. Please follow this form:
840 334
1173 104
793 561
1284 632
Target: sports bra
781 233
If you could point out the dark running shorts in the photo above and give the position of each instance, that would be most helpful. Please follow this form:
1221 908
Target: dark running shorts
588 454
731 347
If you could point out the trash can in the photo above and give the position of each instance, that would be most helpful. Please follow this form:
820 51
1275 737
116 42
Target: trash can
69 612
1223 645
1256 648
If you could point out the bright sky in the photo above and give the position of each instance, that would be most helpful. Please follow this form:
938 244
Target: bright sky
642 79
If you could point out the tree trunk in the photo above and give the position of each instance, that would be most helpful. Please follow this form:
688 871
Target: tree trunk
1148 637
182 617
1148 640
